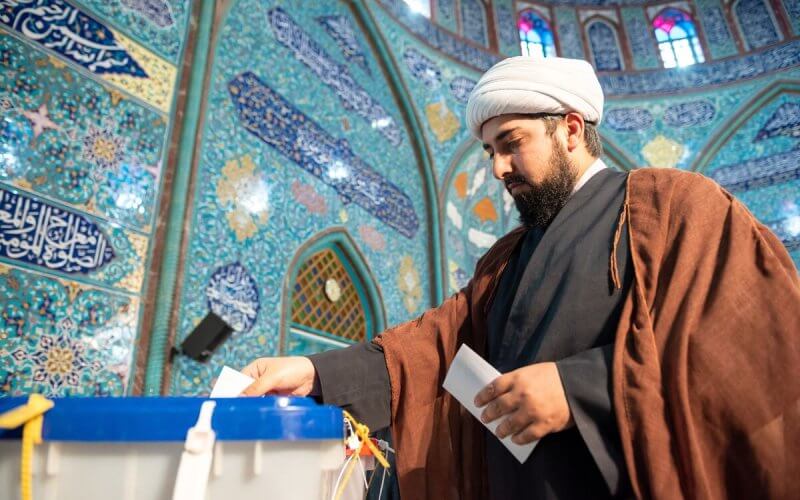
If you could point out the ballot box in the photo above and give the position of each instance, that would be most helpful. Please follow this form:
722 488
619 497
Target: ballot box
133 448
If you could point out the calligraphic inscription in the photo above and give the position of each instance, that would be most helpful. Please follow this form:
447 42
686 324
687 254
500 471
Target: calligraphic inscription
422 68
274 120
156 11
342 32
337 77
784 121
689 114
233 296
65 29
461 87
759 172
50 237
628 119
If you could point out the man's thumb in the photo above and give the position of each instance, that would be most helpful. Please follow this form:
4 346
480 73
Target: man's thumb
260 386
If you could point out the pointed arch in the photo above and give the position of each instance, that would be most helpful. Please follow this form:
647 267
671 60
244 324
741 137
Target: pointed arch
756 23
604 44
339 247
729 129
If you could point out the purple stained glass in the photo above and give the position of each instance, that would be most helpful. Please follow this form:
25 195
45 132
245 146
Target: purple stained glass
535 34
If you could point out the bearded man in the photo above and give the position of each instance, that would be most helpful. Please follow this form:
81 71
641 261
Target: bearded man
644 325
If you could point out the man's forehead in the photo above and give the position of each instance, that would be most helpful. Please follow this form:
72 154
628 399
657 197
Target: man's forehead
503 125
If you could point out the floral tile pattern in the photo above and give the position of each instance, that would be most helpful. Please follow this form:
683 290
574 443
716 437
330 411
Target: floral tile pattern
75 140
84 118
61 338
305 134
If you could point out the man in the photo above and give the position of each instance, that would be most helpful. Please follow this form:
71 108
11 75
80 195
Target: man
645 325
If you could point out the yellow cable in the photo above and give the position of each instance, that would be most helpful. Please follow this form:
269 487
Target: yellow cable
29 415
362 431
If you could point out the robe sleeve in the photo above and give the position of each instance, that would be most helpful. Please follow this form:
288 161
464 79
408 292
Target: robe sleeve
586 378
356 379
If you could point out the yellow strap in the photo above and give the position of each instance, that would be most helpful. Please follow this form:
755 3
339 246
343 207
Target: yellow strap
362 431
29 415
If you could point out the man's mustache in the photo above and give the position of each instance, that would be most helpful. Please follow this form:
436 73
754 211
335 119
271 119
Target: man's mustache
514 179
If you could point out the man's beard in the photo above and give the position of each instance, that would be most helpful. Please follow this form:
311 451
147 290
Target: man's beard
539 204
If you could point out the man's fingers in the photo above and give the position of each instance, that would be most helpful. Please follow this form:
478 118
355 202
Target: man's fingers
529 434
260 386
251 370
514 423
498 407
498 386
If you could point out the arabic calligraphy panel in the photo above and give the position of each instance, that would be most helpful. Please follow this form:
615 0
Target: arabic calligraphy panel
58 240
77 37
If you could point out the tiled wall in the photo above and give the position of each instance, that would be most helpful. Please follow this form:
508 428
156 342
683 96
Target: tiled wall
86 95
701 118
303 132
301 135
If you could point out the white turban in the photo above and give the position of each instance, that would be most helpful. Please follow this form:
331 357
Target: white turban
526 85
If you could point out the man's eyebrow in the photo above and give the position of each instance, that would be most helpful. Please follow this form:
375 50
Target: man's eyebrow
502 135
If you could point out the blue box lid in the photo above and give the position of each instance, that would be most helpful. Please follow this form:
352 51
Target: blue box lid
132 419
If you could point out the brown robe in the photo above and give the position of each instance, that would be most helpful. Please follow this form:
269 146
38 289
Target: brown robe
706 375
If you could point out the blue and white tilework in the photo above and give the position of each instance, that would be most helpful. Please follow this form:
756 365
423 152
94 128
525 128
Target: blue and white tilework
60 338
641 39
271 116
628 119
756 23
689 114
37 233
461 87
792 8
232 294
158 24
266 114
422 69
569 36
770 60
343 33
76 140
446 14
84 119
718 33
785 121
73 35
447 101
337 77
763 170
690 119
437 37
69 31
604 45
506 27
473 21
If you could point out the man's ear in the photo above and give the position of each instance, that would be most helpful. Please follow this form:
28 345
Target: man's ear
575 130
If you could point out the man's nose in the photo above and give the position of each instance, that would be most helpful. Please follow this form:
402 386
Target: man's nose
501 166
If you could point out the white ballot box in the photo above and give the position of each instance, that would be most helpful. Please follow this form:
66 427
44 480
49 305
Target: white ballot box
132 448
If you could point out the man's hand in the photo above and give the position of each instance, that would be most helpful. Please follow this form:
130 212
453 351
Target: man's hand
531 398
288 376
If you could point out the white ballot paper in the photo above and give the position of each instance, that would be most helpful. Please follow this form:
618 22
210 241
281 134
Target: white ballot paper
468 374
230 383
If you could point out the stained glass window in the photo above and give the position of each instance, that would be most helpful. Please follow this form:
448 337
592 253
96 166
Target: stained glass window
677 38
535 35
